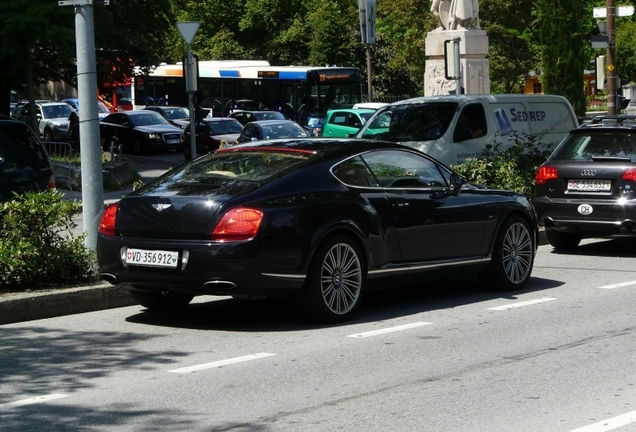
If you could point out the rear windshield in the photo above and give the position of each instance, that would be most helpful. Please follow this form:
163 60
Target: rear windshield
240 166
411 122
585 147
20 136
225 127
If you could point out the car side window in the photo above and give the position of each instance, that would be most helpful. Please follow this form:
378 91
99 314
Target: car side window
403 169
118 119
471 123
354 172
250 131
338 118
353 120
23 139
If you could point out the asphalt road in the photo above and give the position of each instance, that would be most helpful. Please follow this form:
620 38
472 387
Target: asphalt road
556 356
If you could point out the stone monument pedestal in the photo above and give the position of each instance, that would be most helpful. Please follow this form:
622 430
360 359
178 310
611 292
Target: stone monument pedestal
475 71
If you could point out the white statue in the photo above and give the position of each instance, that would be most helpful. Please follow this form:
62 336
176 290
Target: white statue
440 9
464 14
454 14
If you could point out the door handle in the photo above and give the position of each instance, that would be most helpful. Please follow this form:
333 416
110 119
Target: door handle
401 204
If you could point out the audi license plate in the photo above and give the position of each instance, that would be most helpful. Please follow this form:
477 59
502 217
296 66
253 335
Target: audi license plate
174 141
590 185
152 258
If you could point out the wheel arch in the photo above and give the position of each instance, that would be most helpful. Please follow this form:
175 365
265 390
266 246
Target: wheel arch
527 218
348 228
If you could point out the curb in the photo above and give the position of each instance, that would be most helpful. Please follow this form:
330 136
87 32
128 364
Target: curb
66 301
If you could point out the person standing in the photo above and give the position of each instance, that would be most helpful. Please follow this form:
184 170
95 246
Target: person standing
73 129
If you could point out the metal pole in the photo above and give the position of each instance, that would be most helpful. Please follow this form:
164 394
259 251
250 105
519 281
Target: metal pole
193 137
90 143
611 54
369 74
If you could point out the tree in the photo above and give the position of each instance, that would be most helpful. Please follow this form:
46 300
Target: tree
333 30
563 27
38 41
400 55
512 52
626 48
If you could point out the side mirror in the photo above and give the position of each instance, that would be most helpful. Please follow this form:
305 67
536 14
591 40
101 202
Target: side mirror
456 184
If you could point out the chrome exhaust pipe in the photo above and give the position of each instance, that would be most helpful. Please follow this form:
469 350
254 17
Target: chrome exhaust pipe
109 277
220 285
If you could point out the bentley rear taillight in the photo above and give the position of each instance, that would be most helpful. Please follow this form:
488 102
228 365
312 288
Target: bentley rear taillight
241 223
107 225
544 174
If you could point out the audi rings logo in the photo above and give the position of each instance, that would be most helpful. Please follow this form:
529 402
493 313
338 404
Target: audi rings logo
588 173
585 209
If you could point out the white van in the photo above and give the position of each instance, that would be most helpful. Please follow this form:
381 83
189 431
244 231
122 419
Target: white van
452 128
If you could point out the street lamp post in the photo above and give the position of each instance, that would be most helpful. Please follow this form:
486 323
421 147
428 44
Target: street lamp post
90 143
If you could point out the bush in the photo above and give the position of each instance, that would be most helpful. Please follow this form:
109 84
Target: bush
37 247
512 168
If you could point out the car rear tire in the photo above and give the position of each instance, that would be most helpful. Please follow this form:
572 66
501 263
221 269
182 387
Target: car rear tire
48 135
137 147
561 240
335 281
161 301
187 152
512 257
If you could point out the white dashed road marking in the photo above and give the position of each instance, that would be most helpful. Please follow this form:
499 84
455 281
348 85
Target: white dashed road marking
221 363
609 424
389 330
522 304
618 285
33 400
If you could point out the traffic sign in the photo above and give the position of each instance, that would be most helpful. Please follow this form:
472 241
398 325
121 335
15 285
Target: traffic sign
188 29
601 12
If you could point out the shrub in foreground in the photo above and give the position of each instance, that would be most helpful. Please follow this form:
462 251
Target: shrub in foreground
37 246
511 168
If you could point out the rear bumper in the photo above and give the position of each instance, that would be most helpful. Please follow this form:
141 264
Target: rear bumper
587 217
212 269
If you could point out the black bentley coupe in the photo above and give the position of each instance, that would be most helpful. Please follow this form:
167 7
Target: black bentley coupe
319 220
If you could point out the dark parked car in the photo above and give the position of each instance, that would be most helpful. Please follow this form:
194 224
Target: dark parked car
248 116
271 129
139 132
211 133
319 220
24 163
176 115
587 187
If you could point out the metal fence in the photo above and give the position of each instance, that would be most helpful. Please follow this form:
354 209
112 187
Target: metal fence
61 152
385 98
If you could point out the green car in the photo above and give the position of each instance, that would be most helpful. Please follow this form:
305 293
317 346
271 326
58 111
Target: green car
345 122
